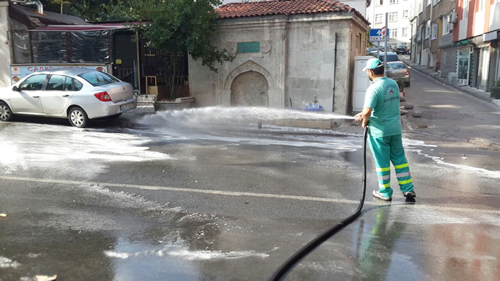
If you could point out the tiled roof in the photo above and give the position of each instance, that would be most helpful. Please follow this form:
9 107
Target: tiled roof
283 7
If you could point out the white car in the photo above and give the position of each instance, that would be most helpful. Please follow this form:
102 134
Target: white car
78 94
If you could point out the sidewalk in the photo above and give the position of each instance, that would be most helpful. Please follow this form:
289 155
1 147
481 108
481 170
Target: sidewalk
435 75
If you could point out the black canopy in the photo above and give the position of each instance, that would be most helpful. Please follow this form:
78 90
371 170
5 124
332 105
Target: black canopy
29 17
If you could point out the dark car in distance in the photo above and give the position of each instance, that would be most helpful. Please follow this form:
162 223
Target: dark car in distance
390 56
402 50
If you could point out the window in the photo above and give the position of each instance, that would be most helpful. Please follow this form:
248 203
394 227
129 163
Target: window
68 84
395 65
446 25
78 85
378 18
428 30
429 2
97 78
434 31
393 1
404 32
420 6
33 83
56 83
405 14
394 33
393 16
466 9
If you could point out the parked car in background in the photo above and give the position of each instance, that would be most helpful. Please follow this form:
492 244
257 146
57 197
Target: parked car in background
78 94
402 50
390 56
397 70
373 51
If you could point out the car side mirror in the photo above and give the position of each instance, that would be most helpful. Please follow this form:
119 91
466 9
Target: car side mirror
16 89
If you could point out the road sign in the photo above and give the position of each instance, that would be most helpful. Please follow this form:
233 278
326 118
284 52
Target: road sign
378 35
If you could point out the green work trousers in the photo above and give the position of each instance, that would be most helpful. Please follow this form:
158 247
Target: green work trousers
386 150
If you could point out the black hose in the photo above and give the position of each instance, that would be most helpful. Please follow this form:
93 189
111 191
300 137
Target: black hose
293 260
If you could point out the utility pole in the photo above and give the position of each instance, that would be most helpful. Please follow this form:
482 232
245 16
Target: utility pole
386 35
430 37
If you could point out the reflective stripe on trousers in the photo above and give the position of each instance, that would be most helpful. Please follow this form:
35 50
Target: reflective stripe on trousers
386 150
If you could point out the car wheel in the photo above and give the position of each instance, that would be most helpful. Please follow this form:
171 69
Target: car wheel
407 84
77 117
5 112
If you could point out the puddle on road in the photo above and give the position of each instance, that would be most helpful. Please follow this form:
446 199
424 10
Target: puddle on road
34 146
138 261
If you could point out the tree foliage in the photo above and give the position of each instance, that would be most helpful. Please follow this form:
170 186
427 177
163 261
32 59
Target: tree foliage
170 25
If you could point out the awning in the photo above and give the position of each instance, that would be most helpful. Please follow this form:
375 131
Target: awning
33 20
91 27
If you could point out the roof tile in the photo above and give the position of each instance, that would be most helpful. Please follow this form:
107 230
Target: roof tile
283 7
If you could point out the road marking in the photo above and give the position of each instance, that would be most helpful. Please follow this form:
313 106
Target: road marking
250 194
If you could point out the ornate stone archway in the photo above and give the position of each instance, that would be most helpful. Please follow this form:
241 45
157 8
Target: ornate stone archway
224 96
246 67
250 89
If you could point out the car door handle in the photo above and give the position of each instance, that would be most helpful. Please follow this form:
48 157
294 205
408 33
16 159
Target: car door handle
35 97
65 96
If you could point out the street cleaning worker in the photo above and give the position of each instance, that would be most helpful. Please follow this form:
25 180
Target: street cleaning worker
381 115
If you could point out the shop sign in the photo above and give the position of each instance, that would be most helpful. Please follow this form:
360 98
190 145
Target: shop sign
463 42
490 36
19 72
248 47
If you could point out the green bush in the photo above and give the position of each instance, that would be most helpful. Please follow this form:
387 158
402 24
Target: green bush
495 90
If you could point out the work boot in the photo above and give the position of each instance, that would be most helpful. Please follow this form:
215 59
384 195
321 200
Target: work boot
410 194
380 196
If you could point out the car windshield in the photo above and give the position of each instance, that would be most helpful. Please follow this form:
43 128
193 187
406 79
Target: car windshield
395 66
97 78
390 57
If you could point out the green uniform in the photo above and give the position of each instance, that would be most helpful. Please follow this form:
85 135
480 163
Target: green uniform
385 135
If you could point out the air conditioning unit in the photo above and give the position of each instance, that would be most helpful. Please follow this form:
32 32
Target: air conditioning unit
453 17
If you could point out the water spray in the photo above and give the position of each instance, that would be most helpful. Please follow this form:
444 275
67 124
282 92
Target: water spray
284 269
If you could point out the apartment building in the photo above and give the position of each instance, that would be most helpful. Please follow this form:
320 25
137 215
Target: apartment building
477 41
432 43
399 12
459 39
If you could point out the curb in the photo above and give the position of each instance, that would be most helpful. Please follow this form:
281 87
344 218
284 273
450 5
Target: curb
477 95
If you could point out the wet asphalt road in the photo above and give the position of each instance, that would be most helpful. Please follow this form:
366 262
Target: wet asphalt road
164 198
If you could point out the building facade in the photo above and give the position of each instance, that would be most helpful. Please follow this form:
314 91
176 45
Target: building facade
399 13
5 56
477 42
459 40
287 54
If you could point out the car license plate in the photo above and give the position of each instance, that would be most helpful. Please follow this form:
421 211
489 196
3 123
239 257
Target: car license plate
126 107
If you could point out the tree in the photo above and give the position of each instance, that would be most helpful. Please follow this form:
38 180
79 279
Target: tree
175 25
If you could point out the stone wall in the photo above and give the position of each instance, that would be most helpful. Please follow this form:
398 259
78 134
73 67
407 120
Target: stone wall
300 57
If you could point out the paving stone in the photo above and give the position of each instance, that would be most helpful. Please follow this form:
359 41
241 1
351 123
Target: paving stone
417 114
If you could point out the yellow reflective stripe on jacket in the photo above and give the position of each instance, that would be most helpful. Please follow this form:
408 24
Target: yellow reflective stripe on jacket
384 169
401 166
406 181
